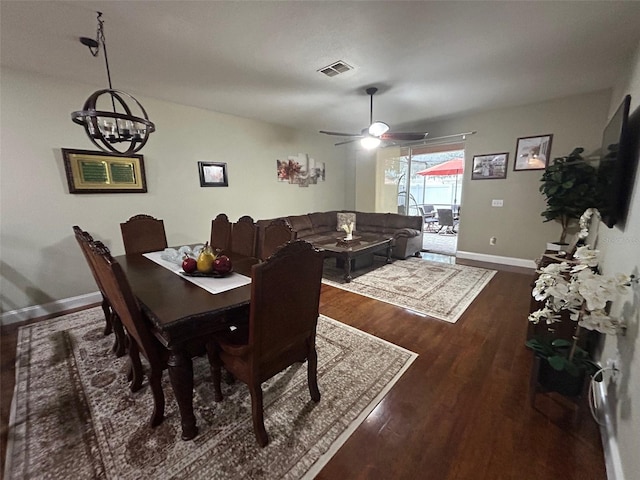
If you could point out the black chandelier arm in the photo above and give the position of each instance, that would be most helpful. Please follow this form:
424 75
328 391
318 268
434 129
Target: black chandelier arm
90 106
106 129
106 135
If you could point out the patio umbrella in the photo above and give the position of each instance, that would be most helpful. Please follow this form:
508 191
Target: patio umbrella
450 167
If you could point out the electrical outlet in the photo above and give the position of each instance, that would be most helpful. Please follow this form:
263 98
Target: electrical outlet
493 240
497 203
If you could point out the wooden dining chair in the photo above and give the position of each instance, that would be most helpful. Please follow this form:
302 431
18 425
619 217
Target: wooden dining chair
112 322
141 338
274 236
142 234
244 236
220 233
283 315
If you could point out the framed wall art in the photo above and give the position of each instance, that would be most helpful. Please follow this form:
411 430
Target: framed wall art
490 166
532 153
99 172
213 174
300 170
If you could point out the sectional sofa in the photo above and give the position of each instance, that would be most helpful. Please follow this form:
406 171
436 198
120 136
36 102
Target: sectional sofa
318 226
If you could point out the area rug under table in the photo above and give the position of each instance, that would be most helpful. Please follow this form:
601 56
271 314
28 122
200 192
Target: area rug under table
439 290
73 415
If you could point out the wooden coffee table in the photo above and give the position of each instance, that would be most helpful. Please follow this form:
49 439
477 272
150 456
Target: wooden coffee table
351 253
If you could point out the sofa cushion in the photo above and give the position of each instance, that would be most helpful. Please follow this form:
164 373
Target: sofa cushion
372 222
345 218
406 232
395 221
323 221
301 224
367 219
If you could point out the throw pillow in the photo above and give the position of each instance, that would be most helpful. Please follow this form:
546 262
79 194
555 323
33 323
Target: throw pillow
345 219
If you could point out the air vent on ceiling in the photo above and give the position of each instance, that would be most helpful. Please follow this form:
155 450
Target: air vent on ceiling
335 68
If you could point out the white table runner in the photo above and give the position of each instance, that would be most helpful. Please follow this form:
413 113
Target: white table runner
210 284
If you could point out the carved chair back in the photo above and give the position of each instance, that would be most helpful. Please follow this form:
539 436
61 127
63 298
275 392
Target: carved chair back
274 236
220 233
244 236
143 233
285 298
283 315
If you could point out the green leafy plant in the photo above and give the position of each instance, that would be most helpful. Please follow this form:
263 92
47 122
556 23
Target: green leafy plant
556 351
570 186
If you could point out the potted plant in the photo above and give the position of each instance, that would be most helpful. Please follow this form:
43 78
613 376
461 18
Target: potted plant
571 186
579 289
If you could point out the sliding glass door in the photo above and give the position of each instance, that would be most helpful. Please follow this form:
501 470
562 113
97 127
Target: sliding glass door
409 178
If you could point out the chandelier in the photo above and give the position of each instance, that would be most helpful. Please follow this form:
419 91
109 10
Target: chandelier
118 130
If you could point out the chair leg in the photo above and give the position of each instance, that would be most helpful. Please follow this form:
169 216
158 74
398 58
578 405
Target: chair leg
215 365
155 380
107 316
135 374
119 345
257 414
312 375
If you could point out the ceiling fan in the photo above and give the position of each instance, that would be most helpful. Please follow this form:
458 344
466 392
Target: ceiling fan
372 136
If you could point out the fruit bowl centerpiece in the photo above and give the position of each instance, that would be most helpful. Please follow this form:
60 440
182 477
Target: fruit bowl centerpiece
208 264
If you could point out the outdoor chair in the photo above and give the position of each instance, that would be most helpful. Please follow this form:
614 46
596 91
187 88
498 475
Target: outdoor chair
446 221
283 314
142 234
430 222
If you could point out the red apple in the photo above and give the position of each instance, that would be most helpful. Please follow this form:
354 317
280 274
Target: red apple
189 265
222 264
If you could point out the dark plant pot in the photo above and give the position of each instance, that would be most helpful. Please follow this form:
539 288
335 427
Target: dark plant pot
559 381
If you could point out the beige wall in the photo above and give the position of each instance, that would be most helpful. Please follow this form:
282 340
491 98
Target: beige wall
620 247
40 262
519 228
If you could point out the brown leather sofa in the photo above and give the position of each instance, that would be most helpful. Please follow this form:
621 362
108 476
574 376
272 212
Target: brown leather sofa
314 227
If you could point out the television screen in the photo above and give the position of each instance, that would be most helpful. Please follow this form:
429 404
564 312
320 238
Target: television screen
616 172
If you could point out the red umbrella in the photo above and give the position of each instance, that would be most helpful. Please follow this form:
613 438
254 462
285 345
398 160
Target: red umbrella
450 167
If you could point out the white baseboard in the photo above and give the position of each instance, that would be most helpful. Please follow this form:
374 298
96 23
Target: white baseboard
483 257
58 306
612 460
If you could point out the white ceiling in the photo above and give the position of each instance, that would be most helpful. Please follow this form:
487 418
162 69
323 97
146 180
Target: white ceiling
260 59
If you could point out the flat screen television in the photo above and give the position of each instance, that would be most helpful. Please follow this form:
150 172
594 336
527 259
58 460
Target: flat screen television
618 163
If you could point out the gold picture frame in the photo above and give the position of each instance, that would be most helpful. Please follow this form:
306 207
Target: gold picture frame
99 172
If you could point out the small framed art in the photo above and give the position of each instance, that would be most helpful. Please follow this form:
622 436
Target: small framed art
213 174
490 166
532 153
99 172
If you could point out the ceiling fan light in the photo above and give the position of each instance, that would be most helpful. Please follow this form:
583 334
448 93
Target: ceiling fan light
378 128
370 142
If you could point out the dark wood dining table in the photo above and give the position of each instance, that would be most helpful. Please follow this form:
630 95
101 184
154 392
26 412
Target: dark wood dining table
181 312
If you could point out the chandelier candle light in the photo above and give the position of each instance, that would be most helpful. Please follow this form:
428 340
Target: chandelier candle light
107 129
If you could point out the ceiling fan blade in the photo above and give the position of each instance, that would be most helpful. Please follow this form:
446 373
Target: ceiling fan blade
347 141
339 134
406 136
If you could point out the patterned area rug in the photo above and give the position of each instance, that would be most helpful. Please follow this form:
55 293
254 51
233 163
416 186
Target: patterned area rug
73 415
439 290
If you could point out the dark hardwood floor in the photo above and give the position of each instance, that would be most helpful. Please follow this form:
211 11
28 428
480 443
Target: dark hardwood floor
461 411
